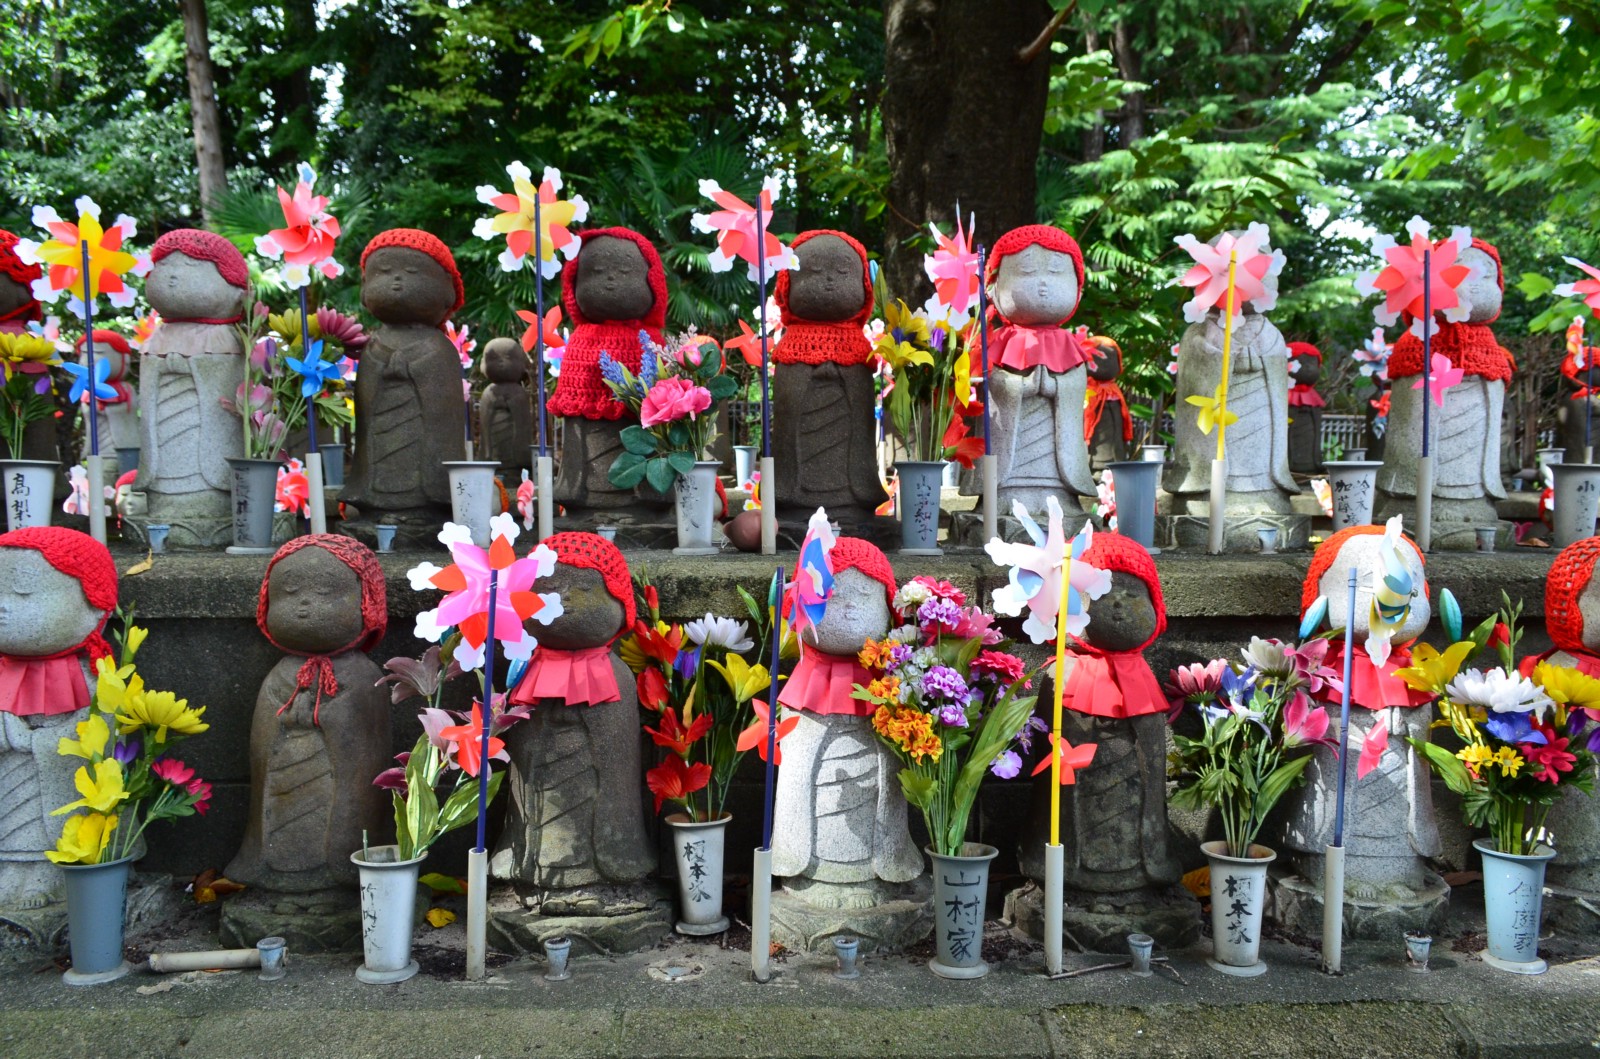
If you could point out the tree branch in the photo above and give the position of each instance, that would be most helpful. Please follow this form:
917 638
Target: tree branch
1042 41
1339 56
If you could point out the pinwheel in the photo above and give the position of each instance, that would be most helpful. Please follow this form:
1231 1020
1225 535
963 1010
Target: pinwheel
305 242
741 231
1392 589
953 268
1258 264
1373 357
813 574
1071 758
103 390
1586 289
85 248
315 373
1373 745
1401 280
1213 409
1440 377
1034 582
533 219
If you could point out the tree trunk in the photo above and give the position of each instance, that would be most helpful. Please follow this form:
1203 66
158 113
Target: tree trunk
1132 130
962 119
203 105
1093 140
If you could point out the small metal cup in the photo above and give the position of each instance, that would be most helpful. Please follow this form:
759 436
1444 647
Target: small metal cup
607 532
1269 540
1139 947
1486 535
386 538
556 952
157 532
847 949
1418 945
274 953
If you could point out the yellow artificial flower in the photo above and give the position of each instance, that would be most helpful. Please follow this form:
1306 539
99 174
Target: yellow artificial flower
1568 687
115 687
132 642
1475 756
875 654
1212 411
93 735
746 681
1509 760
163 711
101 790
901 323
1430 671
962 380
901 355
18 350
83 839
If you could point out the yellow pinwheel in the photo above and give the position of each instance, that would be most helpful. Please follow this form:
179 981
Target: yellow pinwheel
516 219
746 681
1430 670
63 255
102 789
83 839
93 735
1213 410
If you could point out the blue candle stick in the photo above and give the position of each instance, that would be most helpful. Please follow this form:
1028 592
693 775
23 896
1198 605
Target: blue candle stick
538 309
305 352
1427 340
983 338
88 347
1344 711
776 604
486 713
761 311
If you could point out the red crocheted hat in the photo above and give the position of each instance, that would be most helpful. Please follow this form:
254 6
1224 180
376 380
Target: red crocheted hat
1304 349
590 551
113 339
656 276
1568 577
432 245
1104 343
853 553
1045 235
205 246
359 558
781 287
14 266
1322 561
1118 554
81 558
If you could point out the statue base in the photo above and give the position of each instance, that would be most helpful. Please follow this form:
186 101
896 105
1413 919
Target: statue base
1575 912
414 530
899 918
966 527
1102 922
640 529
1296 903
882 530
189 533
320 921
1240 533
1455 522
599 921
28 933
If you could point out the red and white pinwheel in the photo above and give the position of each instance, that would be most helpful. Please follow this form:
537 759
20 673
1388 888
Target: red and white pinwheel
1442 376
555 342
953 268
1401 282
1255 275
735 227
1587 289
466 606
305 242
515 220
62 257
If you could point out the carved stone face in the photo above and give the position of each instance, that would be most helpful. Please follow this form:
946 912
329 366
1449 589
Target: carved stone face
13 295
42 610
613 280
1036 286
857 611
1307 370
1123 618
1104 364
313 602
590 616
1589 607
400 285
181 287
828 287
504 361
1365 555
1480 292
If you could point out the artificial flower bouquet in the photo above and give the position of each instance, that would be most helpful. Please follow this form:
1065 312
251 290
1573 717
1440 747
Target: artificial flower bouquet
1525 733
130 779
283 380
703 691
1259 723
26 396
675 396
931 391
951 703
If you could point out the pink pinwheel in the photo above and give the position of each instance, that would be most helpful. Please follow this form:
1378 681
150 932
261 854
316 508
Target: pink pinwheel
1587 289
1255 274
1373 746
62 257
953 268
515 220
735 228
466 606
1441 377
525 501
755 736
461 340
1034 582
1401 279
305 242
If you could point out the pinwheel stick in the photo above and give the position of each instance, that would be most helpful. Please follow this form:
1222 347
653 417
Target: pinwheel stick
314 485
478 857
97 507
1219 467
761 877
1333 854
1425 465
1054 860
544 471
987 462
1588 385
769 492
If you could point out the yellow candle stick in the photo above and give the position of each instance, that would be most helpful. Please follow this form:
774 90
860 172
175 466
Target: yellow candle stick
1227 355
1061 680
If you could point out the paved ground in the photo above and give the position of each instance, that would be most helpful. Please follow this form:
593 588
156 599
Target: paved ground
624 1006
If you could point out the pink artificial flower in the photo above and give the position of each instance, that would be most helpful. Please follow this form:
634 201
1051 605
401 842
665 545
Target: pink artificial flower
1007 667
1373 747
202 792
1302 725
672 399
942 589
1193 683
172 771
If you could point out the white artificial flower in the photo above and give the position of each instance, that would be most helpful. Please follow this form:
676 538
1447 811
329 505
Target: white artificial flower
1497 690
712 631
912 595
1268 656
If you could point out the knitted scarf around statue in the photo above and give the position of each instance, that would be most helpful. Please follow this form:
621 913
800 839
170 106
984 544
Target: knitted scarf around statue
577 678
1375 687
809 342
1470 347
822 683
1098 396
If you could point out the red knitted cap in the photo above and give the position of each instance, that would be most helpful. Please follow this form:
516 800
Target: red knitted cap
1105 343
1568 577
1045 235
853 553
205 246
359 558
14 266
1304 349
105 338
1118 554
656 276
781 287
590 551
1322 560
81 558
416 239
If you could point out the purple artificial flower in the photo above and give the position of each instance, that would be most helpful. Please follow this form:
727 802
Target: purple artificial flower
126 751
1007 766
1514 728
952 715
1238 688
944 613
1025 737
899 655
942 682
687 662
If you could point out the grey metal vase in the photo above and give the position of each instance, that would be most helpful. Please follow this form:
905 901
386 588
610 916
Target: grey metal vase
920 484
960 894
255 490
97 896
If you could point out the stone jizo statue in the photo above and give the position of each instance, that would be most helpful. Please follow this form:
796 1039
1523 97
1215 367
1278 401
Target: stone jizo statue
505 414
1305 409
1107 423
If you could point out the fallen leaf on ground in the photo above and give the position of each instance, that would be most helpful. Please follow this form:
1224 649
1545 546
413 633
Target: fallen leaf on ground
440 917
141 566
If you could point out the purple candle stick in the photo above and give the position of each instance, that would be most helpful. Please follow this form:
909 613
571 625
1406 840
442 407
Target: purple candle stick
88 348
538 308
761 311
486 713
772 708
983 338
1427 341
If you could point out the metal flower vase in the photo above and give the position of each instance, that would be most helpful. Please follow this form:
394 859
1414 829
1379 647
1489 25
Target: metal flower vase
1353 485
1513 904
472 496
1577 501
697 850
920 485
960 894
695 499
255 491
30 491
1238 893
388 914
97 898
1135 483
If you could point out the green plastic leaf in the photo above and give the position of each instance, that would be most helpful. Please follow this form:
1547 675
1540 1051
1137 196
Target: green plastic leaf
660 475
639 441
1446 764
442 884
681 462
629 470
919 790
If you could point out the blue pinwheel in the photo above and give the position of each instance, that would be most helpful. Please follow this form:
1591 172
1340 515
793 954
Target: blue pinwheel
103 390
315 373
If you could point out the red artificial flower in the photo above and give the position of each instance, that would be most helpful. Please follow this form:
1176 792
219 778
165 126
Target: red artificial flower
652 600
468 740
755 736
652 689
1500 636
203 789
959 443
662 646
172 771
1549 760
674 736
676 779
